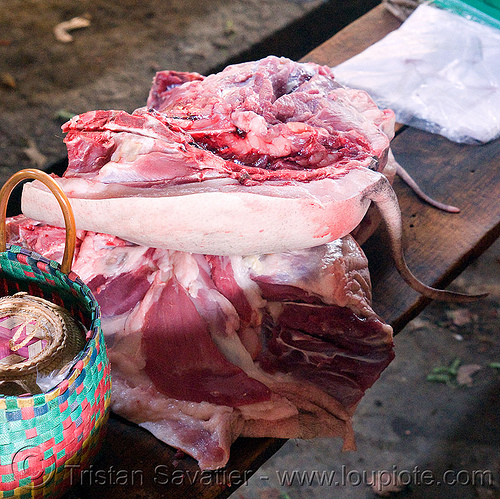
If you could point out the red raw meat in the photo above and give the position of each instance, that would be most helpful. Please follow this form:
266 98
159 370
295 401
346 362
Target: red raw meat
267 167
34 235
276 143
275 114
181 357
208 348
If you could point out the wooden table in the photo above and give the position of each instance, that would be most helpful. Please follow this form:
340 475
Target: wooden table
439 246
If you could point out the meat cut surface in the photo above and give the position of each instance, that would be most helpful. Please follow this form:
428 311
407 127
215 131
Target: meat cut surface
277 143
273 119
207 348
278 116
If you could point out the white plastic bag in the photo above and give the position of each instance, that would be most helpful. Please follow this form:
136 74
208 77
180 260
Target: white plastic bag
439 72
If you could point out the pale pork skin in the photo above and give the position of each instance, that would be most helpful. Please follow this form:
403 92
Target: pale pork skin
208 348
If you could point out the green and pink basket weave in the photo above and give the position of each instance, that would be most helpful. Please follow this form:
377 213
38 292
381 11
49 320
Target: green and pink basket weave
46 439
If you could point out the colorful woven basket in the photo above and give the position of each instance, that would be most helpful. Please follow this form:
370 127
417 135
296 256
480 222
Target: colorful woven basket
47 439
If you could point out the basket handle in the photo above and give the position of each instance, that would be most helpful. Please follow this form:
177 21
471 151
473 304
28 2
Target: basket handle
69 219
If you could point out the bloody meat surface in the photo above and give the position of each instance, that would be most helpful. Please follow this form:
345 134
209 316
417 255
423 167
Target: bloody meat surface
204 349
273 119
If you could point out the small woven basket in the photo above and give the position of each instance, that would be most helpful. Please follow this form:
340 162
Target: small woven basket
47 438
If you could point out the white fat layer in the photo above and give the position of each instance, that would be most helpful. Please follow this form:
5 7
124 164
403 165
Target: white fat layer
268 218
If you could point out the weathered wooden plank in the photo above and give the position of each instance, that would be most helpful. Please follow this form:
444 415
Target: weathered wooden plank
354 38
134 464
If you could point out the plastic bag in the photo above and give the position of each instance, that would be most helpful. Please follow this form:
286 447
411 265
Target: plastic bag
439 72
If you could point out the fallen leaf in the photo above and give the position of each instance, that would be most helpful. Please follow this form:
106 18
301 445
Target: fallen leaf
445 374
34 154
454 366
440 378
418 323
465 372
8 80
63 115
229 29
61 30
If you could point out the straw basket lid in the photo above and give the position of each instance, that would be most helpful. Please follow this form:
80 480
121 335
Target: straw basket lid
44 338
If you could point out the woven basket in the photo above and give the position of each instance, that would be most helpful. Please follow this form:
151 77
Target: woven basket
46 439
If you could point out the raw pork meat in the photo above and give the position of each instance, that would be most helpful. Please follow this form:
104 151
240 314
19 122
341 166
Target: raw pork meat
207 342
207 348
276 143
